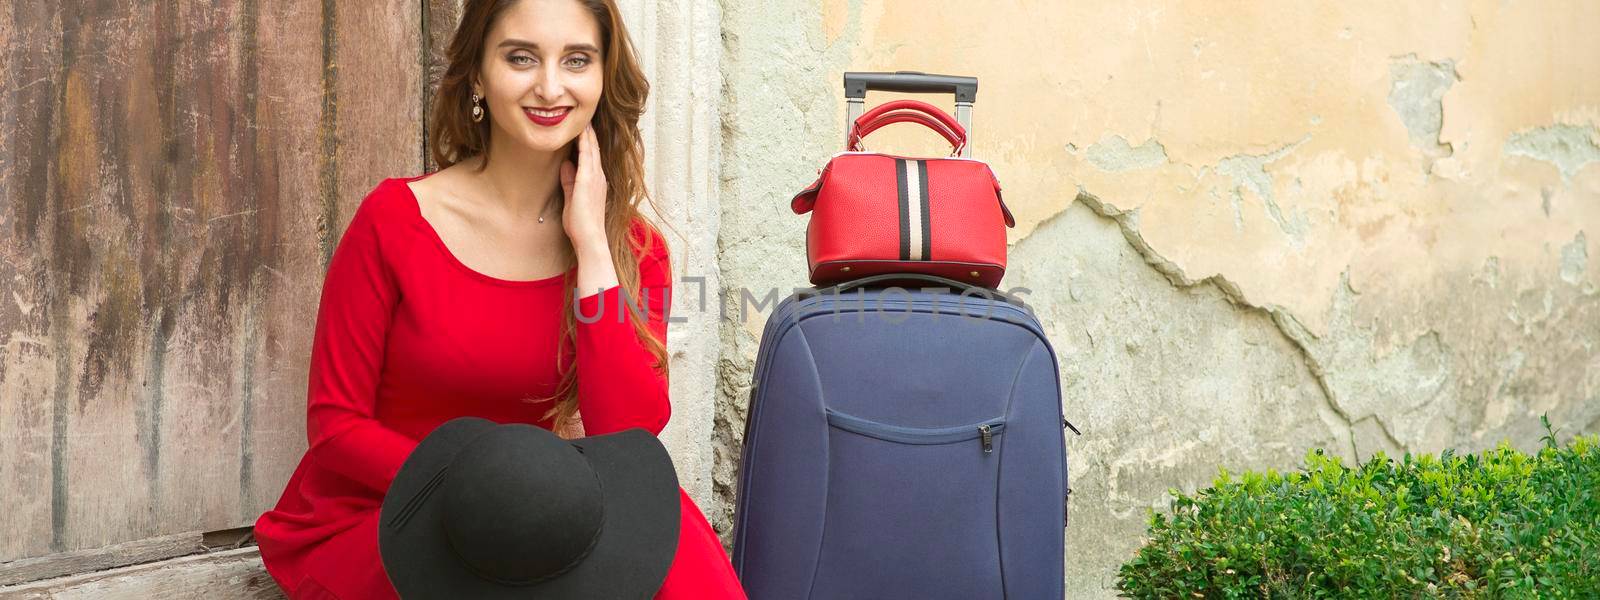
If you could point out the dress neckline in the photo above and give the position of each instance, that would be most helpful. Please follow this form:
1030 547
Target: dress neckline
416 208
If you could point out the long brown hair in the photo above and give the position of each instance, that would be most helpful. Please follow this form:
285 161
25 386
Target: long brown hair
454 137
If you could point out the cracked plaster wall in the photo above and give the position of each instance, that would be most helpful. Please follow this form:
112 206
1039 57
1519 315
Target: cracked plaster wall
1249 230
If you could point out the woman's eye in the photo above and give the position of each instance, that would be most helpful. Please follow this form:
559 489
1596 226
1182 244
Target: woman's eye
520 59
578 61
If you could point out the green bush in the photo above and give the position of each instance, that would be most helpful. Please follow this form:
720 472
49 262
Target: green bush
1499 524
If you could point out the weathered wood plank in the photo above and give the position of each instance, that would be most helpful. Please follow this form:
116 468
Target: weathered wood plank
101 495
288 108
379 87
30 83
100 559
225 574
205 207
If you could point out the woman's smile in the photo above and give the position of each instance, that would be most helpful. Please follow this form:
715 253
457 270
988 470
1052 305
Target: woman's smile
547 118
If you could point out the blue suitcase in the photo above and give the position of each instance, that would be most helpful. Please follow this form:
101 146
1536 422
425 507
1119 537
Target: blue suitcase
902 443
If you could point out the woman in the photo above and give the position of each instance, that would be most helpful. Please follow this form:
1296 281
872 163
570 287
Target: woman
448 294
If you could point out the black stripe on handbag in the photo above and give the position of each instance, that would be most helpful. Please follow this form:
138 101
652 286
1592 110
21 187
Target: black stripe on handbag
905 209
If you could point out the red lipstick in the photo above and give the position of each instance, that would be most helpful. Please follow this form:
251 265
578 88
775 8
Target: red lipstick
547 121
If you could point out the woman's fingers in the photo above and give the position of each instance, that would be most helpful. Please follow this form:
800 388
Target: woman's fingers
594 150
569 175
584 216
583 154
588 176
589 151
586 147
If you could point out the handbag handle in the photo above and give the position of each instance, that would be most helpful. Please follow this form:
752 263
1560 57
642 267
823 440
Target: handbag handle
905 116
916 105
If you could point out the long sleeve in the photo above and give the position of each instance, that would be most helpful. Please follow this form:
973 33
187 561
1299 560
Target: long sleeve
359 294
618 384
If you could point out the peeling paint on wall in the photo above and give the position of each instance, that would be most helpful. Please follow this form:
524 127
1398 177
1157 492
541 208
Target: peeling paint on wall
1114 154
1248 172
1416 91
1567 147
1575 259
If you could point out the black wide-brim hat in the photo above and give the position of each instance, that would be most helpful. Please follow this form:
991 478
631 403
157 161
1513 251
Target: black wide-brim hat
482 510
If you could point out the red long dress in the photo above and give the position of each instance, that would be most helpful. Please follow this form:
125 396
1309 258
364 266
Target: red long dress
408 337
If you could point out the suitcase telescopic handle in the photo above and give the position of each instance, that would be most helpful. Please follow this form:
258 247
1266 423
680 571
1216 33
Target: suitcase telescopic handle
965 89
857 84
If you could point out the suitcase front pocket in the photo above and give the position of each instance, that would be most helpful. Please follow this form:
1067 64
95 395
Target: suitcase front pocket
984 432
911 512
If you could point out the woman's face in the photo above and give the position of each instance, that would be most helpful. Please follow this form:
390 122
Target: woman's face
541 74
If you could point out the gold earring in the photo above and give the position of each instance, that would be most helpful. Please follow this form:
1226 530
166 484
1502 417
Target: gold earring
477 110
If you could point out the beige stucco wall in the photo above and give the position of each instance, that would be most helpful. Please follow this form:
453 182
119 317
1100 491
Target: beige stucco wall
1250 228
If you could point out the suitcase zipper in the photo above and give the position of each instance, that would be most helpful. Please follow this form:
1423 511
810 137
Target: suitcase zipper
985 431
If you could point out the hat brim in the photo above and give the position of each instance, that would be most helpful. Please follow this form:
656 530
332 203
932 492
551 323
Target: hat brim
637 544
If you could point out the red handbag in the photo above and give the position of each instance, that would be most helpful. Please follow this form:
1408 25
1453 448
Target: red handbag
875 213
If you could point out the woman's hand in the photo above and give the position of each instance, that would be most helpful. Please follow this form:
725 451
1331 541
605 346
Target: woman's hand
584 185
583 215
